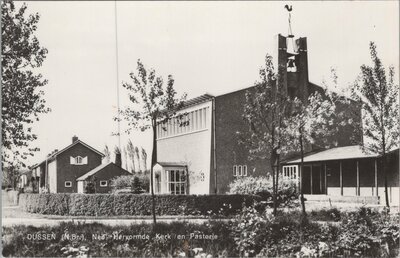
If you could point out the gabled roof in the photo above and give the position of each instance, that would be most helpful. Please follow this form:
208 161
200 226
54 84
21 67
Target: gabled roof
171 164
97 169
339 153
53 155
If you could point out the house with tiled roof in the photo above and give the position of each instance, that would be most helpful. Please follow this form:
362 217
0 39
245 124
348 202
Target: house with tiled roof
60 171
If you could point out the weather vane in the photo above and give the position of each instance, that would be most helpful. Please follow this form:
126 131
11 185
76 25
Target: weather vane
289 9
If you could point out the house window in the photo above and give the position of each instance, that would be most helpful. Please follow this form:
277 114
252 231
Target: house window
290 171
78 160
176 180
239 170
68 184
103 183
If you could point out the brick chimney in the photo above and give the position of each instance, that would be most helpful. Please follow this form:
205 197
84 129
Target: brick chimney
74 138
118 160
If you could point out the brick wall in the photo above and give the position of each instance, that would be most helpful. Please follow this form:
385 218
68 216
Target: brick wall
69 172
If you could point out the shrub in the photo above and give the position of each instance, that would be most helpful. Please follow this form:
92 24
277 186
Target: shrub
262 186
138 183
133 204
57 204
332 214
363 233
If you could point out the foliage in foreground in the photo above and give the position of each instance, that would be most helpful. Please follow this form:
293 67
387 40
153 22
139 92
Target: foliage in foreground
363 233
15 242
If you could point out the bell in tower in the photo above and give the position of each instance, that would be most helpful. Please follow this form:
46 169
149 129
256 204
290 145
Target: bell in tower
292 63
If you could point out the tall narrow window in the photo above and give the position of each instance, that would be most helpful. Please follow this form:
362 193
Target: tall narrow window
196 120
204 117
201 119
191 122
234 170
240 170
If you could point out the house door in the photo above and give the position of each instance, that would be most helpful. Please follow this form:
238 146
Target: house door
316 180
312 182
306 179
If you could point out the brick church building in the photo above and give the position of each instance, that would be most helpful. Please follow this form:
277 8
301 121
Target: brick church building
205 156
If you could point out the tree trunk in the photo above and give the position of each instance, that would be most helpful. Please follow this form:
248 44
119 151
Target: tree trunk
273 160
385 175
278 168
303 205
153 162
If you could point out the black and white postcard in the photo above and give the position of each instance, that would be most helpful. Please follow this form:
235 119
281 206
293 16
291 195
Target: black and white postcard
200 128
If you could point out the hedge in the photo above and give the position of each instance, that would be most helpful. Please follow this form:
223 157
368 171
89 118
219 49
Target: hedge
12 196
133 204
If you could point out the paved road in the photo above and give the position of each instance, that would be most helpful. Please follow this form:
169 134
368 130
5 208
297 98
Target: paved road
7 222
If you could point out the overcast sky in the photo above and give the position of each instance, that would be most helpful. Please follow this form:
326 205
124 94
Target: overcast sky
212 47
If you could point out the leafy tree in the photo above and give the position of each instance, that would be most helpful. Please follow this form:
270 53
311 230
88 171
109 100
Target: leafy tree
151 104
144 159
136 187
90 187
107 153
137 154
379 97
22 99
308 123
266 110
131 153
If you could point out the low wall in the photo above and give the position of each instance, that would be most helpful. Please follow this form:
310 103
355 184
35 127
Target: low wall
344 199
368 192
133 204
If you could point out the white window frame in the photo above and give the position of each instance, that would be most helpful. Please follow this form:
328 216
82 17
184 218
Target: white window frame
290 171
171 183
68 182
240 170
78 160
101 183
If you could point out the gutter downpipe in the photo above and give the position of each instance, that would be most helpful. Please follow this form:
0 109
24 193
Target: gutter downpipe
214 144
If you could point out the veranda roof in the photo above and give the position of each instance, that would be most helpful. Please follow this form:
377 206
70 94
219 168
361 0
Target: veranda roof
338 153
